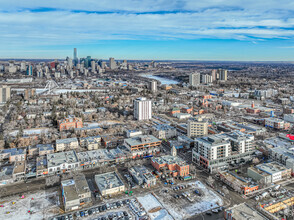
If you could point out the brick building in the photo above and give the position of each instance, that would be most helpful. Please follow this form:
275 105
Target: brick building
69 123
171 164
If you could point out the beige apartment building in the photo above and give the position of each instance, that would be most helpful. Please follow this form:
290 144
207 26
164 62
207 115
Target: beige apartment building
197 128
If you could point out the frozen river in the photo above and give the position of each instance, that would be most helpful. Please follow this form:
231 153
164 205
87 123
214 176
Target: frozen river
163 80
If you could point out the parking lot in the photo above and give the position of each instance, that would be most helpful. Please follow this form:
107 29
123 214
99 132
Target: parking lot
116 209
186 200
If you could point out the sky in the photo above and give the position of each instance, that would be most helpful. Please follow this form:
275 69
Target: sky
236 30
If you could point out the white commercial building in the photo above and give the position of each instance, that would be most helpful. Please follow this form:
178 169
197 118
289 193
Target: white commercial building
142 109
109 183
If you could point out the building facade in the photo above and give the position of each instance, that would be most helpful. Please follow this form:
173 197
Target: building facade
4 93
67 144
215 152
69 123
197 128
142 109
194 79
75 193
173 165
109 183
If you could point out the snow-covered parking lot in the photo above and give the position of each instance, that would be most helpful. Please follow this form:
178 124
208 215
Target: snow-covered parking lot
40 205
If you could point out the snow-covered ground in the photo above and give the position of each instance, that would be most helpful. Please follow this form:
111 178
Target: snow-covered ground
209 200
182 208
42 206
149 202
60 91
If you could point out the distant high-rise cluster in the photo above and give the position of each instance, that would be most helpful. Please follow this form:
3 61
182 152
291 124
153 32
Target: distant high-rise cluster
72 67
196 79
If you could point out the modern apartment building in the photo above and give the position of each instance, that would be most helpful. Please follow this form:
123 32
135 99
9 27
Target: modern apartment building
223 74
142 109
215 152
194 79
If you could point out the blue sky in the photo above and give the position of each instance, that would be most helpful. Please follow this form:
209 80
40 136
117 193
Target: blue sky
251 30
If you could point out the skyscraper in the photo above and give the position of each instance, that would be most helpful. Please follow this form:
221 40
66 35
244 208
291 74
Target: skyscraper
153 86
214 74
4 93
223 74
112 63
69 62
93 66
194 79
75 57
75 54
23 66
142 109
205 78
30 70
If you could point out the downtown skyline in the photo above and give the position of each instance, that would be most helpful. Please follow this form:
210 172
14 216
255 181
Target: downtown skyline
159 30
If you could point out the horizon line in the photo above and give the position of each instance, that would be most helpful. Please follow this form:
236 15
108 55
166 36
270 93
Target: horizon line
162 60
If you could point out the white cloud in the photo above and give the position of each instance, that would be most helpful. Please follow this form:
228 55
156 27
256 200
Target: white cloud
132 20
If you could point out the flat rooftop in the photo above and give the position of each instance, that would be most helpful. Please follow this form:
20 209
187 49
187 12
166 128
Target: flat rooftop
233 178
141 139
66 140
73 188
99 155
69 189
13 151
163 127
19 167
168 159
244 212
108 180
271 168
56 159
213 140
